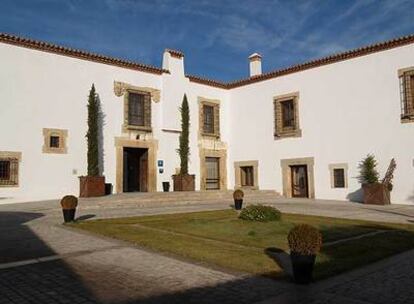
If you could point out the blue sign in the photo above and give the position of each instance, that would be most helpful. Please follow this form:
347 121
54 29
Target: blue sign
160 163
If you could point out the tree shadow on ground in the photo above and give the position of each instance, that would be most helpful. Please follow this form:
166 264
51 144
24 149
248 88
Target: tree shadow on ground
85 217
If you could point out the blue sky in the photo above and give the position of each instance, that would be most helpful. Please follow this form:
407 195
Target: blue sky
216 36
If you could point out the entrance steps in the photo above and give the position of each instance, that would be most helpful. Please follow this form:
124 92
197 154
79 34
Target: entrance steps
183 197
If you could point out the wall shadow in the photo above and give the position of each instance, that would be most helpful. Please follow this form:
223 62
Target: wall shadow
356 196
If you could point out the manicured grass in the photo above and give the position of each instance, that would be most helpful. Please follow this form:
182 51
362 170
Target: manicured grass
220 238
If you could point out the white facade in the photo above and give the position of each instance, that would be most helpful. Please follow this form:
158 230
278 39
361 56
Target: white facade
346 110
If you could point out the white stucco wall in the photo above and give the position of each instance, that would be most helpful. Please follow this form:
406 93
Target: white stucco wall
346 110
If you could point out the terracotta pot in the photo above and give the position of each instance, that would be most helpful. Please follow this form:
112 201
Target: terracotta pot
91 186
376 194
184 182
302 267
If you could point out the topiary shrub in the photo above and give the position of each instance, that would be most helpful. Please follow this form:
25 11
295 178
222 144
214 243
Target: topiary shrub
69 202
260 213
305 240
238 194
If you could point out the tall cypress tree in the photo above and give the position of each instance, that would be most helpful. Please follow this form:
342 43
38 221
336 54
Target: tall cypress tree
184 149
92 134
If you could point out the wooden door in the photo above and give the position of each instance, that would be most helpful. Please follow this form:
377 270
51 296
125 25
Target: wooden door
143 172
299 180
213 173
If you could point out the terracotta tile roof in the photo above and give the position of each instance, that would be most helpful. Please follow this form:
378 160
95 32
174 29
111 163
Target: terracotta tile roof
206 81
56 49
325 60
52 48
175 53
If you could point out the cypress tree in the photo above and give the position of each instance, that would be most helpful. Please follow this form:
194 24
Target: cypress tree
368 173
184 149
92 134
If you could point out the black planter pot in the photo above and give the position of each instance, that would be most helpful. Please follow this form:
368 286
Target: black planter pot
302 267
69 215
166 186
238 204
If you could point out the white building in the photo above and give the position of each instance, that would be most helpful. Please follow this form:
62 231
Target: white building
285 130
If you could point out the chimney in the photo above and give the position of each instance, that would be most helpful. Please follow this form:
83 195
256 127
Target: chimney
173 61
255 64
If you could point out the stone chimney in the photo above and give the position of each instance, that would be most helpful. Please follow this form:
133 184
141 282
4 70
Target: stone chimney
255 64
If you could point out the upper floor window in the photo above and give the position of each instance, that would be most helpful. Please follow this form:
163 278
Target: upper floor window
210 118
138 110
9 169
55 141
208 126
286 116
407 94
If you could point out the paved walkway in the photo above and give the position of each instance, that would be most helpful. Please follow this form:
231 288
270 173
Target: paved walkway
43 262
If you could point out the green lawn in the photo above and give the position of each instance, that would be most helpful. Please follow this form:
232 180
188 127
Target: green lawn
220 238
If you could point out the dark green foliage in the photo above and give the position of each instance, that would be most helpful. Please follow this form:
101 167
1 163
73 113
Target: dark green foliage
368 173
305 239
92 134
260 213
184 149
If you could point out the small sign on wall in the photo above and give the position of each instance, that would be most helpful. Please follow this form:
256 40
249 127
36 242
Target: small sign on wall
160 163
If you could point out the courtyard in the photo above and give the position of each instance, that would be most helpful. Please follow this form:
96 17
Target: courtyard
43 260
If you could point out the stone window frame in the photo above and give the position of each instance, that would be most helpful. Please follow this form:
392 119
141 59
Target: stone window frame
237 173
63 136
123 89
215 103
343 166
286 174
13 157
279 130
406 94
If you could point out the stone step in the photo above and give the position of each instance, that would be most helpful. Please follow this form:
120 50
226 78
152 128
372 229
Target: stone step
177 197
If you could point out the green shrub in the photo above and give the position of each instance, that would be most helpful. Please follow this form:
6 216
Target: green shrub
260 213
368 173
305 239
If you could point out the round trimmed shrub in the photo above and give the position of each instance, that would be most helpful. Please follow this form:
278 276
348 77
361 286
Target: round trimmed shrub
260 213
69 202
305 240
238 194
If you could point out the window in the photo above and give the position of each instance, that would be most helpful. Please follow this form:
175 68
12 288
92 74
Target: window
339 178
339 175
246 174
407 94
247 178
9 169
55 141
208 112
136 109
286 116
209 117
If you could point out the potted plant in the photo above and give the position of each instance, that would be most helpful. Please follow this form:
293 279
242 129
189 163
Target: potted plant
374 191
93 184
69 204
305 242
184 181
238 195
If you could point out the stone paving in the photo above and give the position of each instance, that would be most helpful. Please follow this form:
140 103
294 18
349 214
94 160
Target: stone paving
81 268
